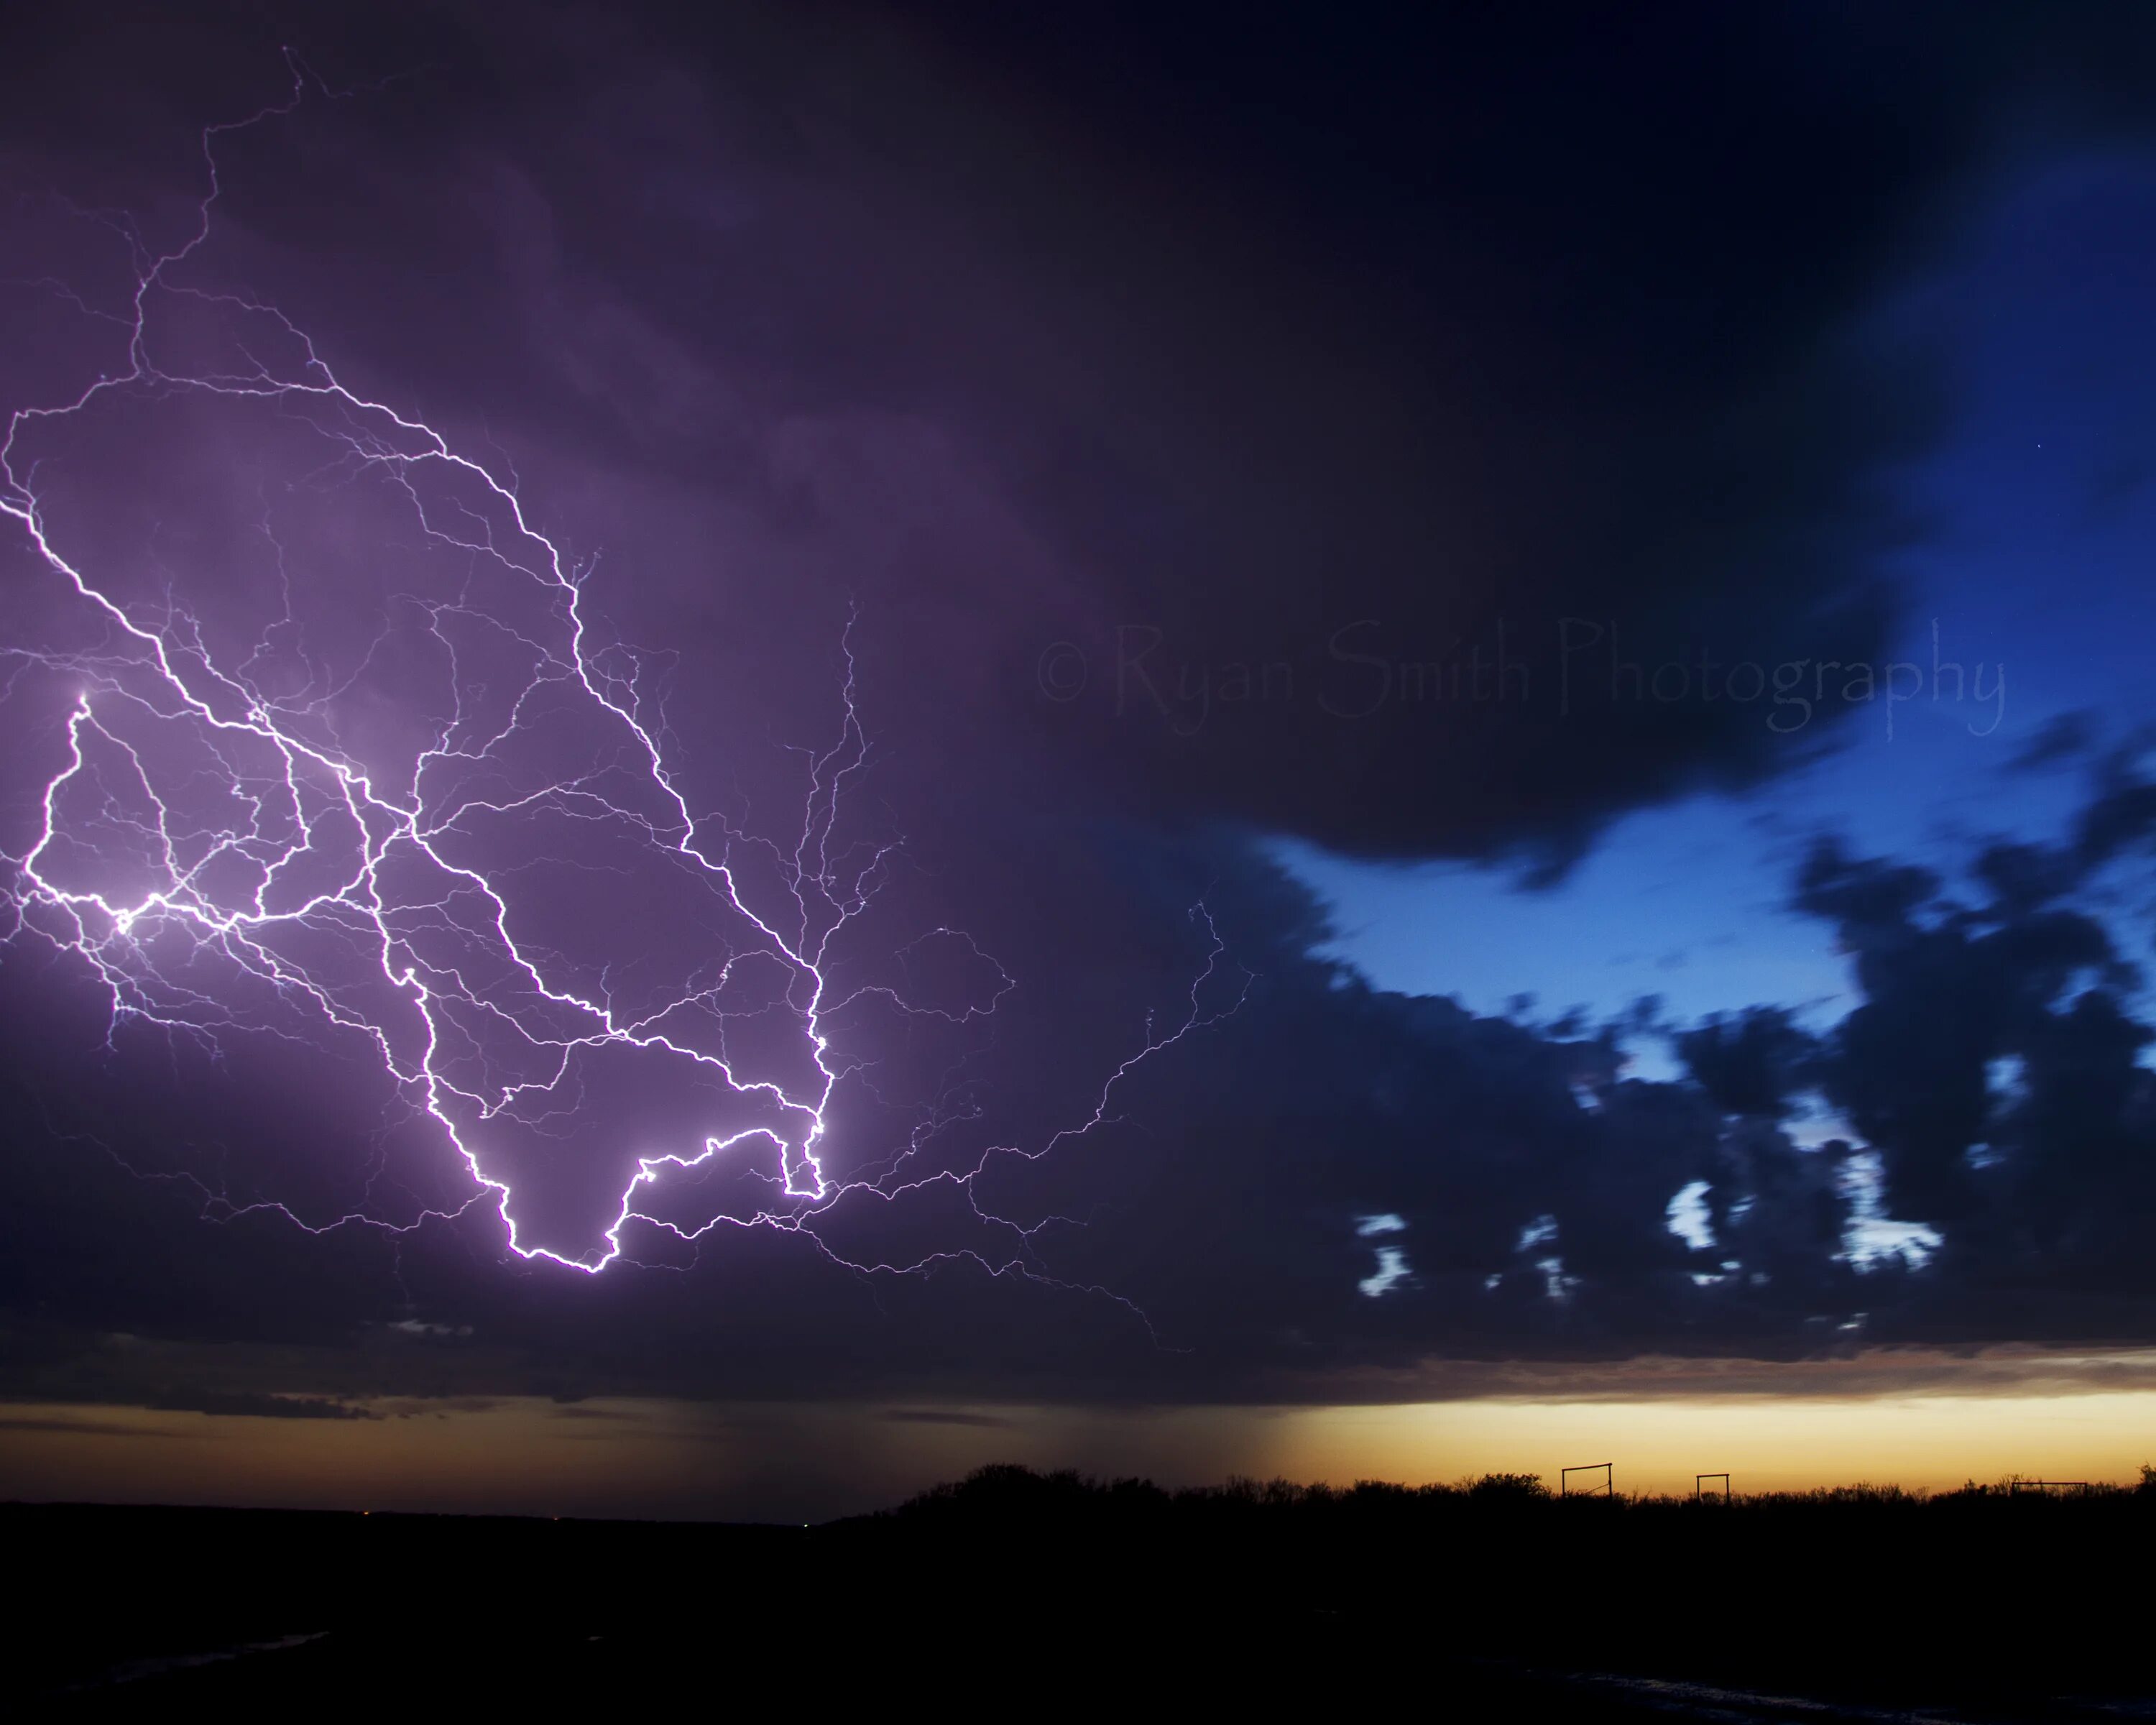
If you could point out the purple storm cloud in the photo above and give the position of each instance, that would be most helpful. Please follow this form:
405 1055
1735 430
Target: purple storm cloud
364 768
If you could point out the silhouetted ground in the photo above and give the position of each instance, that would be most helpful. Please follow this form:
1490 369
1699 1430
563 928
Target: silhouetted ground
1055 1594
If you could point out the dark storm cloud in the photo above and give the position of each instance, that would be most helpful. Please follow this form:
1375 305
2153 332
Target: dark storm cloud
1338 442
1175 351
2063 737
1995 1065
1949 990
1560 377
83 1428
1750 1064
247 1406
2121 820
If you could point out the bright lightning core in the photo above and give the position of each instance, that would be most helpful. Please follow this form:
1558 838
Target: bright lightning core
288 780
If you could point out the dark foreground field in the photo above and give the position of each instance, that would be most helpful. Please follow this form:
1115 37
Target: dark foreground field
1016 1592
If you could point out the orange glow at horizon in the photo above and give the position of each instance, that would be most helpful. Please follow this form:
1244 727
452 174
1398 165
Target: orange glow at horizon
795 1462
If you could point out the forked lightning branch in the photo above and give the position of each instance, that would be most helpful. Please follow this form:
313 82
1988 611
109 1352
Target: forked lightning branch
265 821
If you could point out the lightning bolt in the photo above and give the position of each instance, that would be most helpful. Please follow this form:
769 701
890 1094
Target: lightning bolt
225 857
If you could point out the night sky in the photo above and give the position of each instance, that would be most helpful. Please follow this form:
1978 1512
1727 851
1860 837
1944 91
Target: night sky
751 755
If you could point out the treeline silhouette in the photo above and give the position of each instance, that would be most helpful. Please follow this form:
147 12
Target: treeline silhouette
1490 1598
1997 1595
1007 1489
